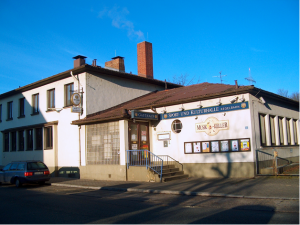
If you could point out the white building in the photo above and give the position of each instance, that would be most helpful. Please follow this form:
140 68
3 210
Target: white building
35 120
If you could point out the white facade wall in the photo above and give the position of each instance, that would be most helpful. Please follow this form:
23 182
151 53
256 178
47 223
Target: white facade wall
239 127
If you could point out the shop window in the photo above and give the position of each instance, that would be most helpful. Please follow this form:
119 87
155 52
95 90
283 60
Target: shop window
69 89
288 130
39 139
6 142
29 139
262 128
35 104
176 126
13 141
295 132
272 130
48 138
51 98
9 110
21 140
21 107
103 144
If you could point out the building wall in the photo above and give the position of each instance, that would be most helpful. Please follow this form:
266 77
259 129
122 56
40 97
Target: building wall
65 135
105 91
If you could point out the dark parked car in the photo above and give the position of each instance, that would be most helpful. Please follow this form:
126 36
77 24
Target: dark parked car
21 172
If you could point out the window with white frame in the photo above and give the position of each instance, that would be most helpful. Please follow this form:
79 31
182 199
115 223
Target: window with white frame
288 130
51 98
272 130
295 132
69 89
281 134
35 104
21 107
48 137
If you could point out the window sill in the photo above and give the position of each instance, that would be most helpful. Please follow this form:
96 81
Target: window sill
48 148
20 117
9 119
67 106
50 110
34 114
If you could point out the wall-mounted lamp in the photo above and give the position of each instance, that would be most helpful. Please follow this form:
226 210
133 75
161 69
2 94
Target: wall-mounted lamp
219 102
196 117
181 108
224 114
262 100
242 99
234 99
164 110
200 105
153 109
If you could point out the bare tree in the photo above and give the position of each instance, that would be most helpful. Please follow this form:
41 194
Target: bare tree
283 92
295 96
183 79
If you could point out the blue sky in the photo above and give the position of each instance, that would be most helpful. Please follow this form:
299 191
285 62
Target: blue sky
200 38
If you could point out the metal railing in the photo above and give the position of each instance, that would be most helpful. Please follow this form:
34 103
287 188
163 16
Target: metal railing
267 159
145 158
168 160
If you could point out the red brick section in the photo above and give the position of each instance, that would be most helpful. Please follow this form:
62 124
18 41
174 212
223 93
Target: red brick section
145 59
116 63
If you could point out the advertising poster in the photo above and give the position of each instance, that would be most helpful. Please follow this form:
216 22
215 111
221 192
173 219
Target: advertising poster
196 146
245 145
134 147
224 146
215 146
234 145
205 146
188 147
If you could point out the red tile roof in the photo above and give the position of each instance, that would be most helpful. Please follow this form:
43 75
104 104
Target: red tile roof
167 97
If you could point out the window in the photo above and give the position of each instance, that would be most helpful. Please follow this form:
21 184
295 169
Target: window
13 141
6 142
51 98
262 129
48 138
69 88
280 123
0 113
288 130
13 166
21 166
21 107
9 110
35 104
29 139
295 132
21 140
39 139
176 126
272 130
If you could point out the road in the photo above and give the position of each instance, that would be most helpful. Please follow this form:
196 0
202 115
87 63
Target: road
52 204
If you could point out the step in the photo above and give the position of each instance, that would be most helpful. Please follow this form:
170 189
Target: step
171 174
184 176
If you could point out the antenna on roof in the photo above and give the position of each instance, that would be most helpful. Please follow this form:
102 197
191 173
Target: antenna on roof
220 76
250 79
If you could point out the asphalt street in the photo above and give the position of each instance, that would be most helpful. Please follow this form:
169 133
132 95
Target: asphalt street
55 204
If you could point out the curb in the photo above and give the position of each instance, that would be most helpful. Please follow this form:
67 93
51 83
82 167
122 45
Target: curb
190 193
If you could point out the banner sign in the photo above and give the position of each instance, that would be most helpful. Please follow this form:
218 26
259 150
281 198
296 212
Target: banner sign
212 126
143 115
75 109
207 110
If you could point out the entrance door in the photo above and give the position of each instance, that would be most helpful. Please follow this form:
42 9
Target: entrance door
138 133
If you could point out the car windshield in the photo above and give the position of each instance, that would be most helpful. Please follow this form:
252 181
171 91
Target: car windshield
36 166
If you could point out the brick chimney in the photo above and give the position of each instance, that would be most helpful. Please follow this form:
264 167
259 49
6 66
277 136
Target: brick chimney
79 61
117 63
145 59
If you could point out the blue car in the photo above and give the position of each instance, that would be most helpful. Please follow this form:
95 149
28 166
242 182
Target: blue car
21 172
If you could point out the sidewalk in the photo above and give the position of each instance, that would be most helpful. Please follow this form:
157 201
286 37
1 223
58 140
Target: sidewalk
259 187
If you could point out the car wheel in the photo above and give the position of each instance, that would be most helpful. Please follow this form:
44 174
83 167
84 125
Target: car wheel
18 183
